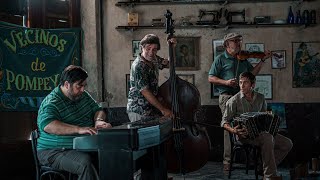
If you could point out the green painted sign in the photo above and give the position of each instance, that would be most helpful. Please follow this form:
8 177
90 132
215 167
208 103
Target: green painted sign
31 61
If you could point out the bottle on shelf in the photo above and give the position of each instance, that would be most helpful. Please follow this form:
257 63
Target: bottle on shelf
306 17
298 18
313 17
290 19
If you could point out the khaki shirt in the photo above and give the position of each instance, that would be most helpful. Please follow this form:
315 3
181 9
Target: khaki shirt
237 105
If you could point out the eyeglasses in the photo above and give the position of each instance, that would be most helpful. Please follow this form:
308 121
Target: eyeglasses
236 40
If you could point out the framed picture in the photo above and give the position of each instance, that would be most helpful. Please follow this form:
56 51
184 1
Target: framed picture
135 48
264 85
131 61
278 109
305 64
214 92
187 53
217 47
254 47
127 84
187 77
278 59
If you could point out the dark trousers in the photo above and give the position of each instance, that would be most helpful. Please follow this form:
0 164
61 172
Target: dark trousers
72 161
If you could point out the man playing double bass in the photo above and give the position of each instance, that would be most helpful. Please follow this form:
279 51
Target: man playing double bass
224 74
144 77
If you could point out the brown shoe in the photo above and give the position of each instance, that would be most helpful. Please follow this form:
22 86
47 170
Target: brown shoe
226 167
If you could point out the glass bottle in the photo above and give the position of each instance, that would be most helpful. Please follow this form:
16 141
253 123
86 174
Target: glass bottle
298 18
290 19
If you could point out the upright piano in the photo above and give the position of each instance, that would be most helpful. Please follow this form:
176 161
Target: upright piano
124 149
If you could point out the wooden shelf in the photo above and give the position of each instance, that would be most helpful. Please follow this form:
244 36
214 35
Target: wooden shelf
221 2
216 26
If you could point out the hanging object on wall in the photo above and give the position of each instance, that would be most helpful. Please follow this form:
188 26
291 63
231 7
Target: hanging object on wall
306 64
31 61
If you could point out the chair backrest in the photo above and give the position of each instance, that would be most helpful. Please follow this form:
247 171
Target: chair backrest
34 139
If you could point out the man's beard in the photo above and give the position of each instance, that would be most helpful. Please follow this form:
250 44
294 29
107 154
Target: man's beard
72 96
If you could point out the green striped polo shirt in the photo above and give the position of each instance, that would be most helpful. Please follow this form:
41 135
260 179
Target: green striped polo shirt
56 106
227 67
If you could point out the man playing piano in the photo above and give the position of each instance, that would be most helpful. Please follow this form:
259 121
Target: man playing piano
273 148
67 112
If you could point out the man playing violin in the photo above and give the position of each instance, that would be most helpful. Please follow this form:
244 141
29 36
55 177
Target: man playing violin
224 73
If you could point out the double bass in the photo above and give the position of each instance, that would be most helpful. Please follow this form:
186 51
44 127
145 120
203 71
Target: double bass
188 149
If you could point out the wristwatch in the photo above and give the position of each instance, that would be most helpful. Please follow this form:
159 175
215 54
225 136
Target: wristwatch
99 119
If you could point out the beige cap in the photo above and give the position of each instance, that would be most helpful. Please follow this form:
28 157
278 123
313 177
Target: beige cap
231 36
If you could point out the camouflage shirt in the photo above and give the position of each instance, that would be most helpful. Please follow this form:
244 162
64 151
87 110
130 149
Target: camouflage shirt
143 75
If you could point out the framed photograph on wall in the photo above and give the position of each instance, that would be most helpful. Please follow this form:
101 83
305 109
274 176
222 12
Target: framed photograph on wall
127 84
278 59
264 85
278 109
306 64
187 77
254 47
217 47
187 53
135 48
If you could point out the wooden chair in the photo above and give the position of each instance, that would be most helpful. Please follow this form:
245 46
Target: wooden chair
237 146
45 171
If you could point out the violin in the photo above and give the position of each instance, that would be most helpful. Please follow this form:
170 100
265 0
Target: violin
243 55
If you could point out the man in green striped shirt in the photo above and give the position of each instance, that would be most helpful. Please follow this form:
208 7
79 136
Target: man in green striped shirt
67 112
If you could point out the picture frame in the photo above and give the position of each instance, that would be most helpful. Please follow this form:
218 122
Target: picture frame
278 59
278 109
263 85
305 64
254 47
127 84
217 47
187 77
187 54
135 48
214 92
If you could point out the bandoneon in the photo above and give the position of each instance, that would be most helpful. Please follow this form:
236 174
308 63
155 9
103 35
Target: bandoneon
258 122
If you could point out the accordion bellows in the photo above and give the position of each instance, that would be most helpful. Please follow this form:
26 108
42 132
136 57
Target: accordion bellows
258 122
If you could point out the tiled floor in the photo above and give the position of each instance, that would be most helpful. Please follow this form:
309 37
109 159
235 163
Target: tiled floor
213 171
